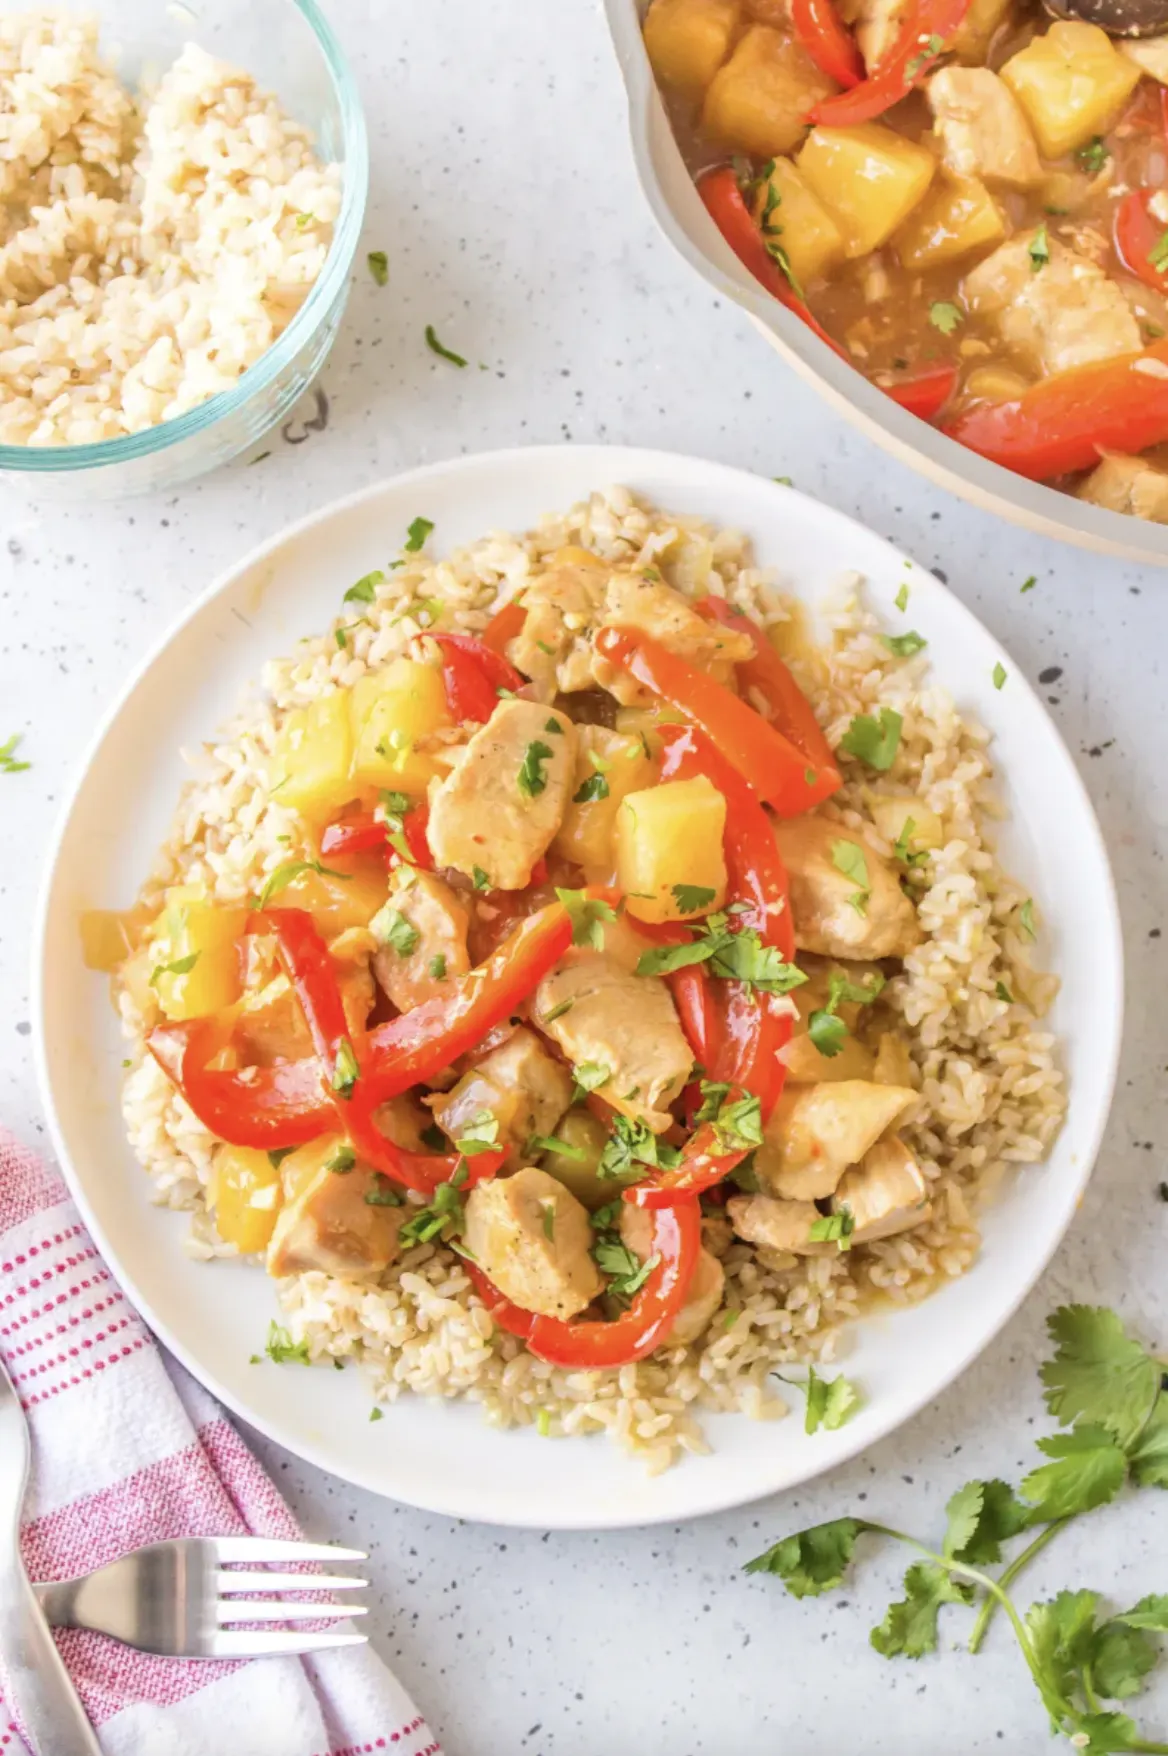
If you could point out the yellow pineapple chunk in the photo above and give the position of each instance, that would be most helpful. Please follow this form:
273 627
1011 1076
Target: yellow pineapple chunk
688 40
194 954
957 215
797 221
609 766
247 1194
759 100
309 767
669 850
392 711
1072 83
868 178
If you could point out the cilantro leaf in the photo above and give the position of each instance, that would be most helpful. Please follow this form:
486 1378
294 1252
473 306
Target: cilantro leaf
944 316
1039 251
590 1075
365 589
282 1349
1086 1470
379 266
1094 155
381 1192
436 347
827 1032
1106 1734
479 878
1148 1460
982 1516
587 915
904 645
813 1561
1121 1658
901 598
848 857
390 926
436 968
833 1228
345 1070
416 535
691 899
1062 1631
874 739
532 780
999 675
595 787
1098 1375
660 959
910 1625
282 876
1151 1612
830 1402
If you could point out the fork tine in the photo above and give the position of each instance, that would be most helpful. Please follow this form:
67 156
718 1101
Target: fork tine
235 1609
246 1579
272 1643
260 1549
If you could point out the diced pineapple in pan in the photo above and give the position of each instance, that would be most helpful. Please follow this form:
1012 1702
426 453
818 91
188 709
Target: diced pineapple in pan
669 850
868 178
309 766
958 215
1072 82
393 710
194 954
796 220
759 100
688 40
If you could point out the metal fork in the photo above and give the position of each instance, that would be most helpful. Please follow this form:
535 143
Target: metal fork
182 1598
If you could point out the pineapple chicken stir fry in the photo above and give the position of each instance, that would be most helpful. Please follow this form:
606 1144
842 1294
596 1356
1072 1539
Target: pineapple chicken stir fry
964 198
575 944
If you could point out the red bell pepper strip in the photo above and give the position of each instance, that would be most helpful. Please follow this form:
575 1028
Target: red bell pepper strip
1065 422
265 1107
928 26
363 832
729 212
503 626
770 763
827 40
589 1344
1141 241
926 394
787 708
704 1163
473 674
413 1048
696 1008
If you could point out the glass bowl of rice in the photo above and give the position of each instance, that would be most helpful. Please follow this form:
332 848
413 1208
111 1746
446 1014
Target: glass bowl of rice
183 189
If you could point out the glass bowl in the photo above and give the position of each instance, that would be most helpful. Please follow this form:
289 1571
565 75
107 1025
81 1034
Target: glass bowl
290 49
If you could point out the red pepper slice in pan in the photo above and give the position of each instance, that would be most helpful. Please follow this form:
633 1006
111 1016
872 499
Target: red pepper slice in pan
503 626
362 833
787 708
704 1163
1141 240
473 674
1065 422
729 212
585 1343
828 41
925 33
693 995
769 762
265 1107
926 394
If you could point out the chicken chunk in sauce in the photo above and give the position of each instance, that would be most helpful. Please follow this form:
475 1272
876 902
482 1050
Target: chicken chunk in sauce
520 1087
846 899
818 1131
328 1222
885 1193
421 934
497 813
534 1239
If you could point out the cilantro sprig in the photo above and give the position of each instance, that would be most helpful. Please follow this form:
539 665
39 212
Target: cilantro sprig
1108 1394
733 952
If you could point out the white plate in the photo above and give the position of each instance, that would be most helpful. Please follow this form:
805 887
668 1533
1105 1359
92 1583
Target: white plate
681 215
443 1456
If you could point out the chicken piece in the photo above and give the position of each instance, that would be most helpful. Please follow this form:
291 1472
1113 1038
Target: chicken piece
1128 484
818 1131
1056 314
805 1064
633 600
533 1238
422 920
1149 55
846 900
554 645
600 1014
983 128
519 1085
704 1294
778 1225
884 1194
327 1222
499 809
877 28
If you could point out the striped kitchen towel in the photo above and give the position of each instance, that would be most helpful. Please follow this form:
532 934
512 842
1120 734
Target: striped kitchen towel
127 1450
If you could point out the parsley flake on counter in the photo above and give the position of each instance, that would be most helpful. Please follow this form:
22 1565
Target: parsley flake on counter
1039 251
1028 584
436 347
281 1349
691 899
999 675
944 316
365 589
904 645
346 1070
874 739
531 779
8 762
379 266
416 535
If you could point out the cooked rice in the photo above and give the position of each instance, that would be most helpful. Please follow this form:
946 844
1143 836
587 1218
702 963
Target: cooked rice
991 1087
152 250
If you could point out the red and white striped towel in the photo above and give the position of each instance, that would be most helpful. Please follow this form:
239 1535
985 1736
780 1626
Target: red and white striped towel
126 1450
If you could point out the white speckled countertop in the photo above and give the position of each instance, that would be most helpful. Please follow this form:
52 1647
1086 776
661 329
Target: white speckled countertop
504 195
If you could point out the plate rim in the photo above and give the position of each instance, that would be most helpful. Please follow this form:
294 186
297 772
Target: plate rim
609 463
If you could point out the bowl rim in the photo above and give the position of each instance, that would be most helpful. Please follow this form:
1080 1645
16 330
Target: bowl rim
924 448
103 453
626 463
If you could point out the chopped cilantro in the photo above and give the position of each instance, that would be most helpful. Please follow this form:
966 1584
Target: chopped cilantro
999 675
1039 251
833 1228
381 1192
419 530
484 1134
691 899
365 589
390 926
558 1011
436 347
548 1209
848 857
587 915
1026 918
1003 993
1094 155
734 955
532 780
379 266
553 725
553 1143
436 968
901 598
1158 254
342 1161
595 787
278 1154
904 645
479 878
376 1414
443 1217
8 764
181 966
931 47
282 1349
874 740
346 1070
944 316
589 1075
827 1032
1029 584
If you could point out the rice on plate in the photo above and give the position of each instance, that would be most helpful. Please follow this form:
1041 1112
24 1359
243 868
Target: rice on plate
907 1018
